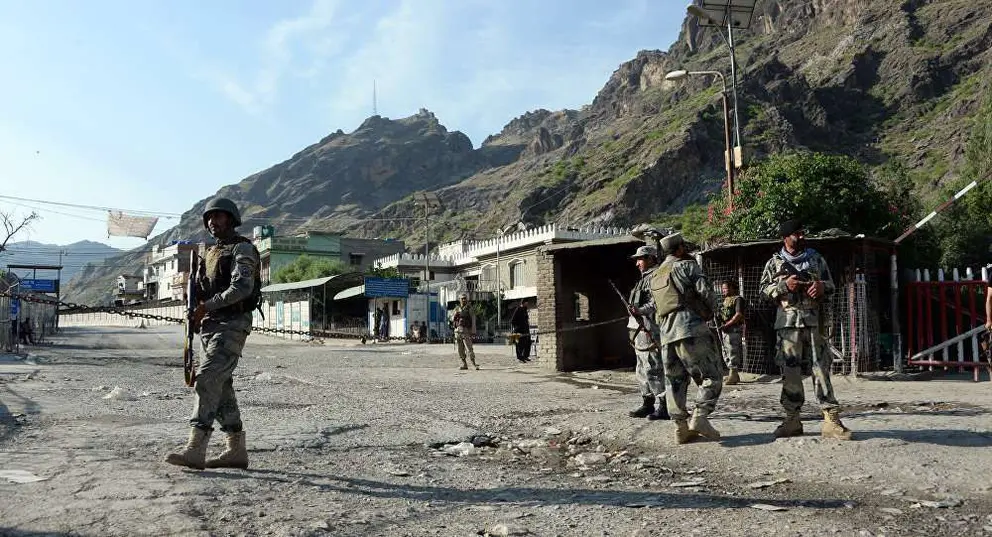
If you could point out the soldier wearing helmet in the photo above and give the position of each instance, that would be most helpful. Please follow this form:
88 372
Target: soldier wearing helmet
230 281
644 337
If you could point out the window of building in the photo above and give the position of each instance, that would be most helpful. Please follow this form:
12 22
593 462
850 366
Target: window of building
516 274
355 259
396 307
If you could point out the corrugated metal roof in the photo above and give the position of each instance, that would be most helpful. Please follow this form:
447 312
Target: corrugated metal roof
305 284
812 241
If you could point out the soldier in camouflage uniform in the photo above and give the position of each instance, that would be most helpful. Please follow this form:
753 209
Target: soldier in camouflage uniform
230 284
800 325
731 329
649 371
464 322
684 302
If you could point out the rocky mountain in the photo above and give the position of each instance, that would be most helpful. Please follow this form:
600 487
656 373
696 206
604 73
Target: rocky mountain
886 81
73 256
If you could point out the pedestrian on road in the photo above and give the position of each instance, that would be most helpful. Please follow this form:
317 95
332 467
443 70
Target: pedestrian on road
684 301
231 287
731 319
644 335
520 323
465 325
800 324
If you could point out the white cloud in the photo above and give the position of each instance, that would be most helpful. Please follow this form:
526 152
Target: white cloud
309 38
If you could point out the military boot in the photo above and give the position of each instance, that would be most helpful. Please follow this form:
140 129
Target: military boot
732 378
792 426
195 452
682 433
647 407
661 413
701 426
833 427
236 454
464 366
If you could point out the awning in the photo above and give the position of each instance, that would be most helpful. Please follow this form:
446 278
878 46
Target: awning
358 290
307 284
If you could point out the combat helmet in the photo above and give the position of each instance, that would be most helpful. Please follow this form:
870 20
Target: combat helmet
226 205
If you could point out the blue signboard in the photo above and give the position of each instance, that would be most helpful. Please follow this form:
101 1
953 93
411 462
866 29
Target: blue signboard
40 286
387 287
15 307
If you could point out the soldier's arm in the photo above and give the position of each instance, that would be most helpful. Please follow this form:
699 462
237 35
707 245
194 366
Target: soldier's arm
704 289
772 287
642 294
242 279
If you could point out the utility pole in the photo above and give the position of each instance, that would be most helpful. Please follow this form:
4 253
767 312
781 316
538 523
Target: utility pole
430 201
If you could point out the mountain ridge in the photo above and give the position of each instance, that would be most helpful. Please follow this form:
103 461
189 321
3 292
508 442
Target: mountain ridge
888 81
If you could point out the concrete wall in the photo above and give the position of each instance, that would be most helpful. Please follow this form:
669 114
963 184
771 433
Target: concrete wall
110 319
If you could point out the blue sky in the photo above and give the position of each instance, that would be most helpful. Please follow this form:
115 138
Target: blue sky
153 105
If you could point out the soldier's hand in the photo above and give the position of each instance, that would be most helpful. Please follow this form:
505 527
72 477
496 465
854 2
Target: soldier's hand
988 325
792 283
198 314
815 290
633 311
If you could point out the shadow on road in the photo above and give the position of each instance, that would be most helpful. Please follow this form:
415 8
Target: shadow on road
532 496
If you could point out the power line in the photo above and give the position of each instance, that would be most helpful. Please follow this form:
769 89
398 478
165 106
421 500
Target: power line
95 207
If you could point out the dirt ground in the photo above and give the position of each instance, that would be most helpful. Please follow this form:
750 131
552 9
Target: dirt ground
347 439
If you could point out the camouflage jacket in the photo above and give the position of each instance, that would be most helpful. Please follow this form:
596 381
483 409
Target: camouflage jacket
689 280
641 299
797 309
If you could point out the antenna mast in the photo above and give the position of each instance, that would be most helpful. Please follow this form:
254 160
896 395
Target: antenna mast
375 103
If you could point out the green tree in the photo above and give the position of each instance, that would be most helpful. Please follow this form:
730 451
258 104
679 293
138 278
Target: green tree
964 231
305 267
379 272
824 191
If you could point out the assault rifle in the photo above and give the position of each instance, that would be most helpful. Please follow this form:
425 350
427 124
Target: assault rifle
192 324
638 318
788 269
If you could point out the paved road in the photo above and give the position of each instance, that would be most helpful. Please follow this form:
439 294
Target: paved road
339 439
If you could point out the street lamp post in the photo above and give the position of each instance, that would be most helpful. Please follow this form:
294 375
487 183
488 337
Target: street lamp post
729 159
729 40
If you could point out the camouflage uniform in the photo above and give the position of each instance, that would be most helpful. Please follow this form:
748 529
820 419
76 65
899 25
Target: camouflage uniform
800 326
230 280
464 321
732 339
649 372
688 348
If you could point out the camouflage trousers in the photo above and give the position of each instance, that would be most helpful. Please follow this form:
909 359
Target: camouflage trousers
463 342
803 351
650 373
222 342
733 349
696 359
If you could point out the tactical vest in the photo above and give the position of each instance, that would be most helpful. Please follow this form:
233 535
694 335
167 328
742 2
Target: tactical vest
666 296
463 320
218 263
728 310
668 299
